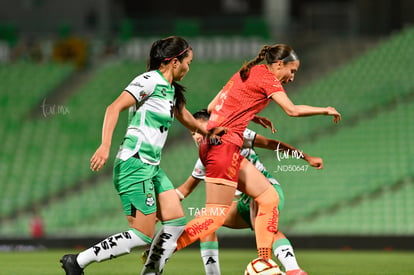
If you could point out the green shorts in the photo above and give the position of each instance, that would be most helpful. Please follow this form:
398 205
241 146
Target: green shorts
138 183
243 205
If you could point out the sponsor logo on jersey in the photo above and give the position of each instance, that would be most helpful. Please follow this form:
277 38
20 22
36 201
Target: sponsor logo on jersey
136 84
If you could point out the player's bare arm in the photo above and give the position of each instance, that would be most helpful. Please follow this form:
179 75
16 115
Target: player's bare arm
124 101
188 121
303 110
272 144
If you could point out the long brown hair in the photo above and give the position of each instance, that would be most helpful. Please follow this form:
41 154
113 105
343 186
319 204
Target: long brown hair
271 54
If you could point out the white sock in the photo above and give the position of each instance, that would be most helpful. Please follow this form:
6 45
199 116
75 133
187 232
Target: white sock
113 246
210 254
283 251
163 246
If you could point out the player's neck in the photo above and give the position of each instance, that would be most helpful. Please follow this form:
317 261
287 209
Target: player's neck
167 72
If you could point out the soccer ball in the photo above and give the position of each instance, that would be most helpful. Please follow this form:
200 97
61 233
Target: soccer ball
262 267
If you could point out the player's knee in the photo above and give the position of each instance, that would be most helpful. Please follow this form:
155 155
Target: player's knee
268 198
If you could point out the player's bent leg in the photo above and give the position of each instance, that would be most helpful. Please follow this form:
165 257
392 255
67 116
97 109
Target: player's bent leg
254 184
266 222
209 250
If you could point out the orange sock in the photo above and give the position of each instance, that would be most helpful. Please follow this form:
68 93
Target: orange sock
266 221
210 219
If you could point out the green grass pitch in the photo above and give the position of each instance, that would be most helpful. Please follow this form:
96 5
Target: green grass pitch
188 262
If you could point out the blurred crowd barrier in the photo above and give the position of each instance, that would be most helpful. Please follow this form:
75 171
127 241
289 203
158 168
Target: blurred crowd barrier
82 51
205 48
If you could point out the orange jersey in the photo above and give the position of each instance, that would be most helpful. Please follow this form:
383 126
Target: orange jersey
240 101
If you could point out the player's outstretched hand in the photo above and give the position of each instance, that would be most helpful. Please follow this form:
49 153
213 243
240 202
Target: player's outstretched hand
100 157
315 162
333 112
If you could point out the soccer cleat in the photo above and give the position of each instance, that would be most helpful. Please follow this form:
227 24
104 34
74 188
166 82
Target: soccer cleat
296 272
70 265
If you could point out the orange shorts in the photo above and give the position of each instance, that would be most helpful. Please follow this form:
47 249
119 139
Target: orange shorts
222 162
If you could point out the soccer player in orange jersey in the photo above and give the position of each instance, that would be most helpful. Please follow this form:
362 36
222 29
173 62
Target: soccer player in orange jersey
247 93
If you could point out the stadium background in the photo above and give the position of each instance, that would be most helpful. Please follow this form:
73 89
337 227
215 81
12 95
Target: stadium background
58 72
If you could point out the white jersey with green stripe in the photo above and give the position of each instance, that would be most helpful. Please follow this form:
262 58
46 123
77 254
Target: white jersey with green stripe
149 119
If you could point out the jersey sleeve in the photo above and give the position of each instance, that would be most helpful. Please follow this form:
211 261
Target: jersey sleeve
199 171
248 138
271 85
142 86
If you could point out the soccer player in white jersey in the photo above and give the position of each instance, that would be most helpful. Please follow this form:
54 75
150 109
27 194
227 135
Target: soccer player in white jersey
243 211
153 98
